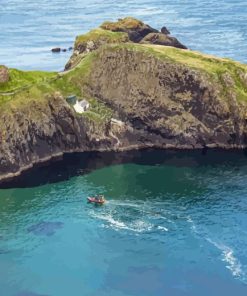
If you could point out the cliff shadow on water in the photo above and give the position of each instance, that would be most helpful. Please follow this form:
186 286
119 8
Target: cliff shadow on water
75 164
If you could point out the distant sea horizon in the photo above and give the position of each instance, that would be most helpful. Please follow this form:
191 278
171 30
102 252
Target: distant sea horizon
30 29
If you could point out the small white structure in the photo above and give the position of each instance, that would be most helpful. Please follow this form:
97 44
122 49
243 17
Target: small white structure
81 106
117 122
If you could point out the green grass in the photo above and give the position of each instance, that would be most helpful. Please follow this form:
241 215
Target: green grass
104 35
25 86
37 84
214 68
98 110
21 79
126 23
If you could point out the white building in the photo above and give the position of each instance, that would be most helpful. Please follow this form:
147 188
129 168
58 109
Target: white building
81 106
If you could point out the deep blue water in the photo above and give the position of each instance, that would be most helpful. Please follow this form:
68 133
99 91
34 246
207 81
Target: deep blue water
174 223
29 29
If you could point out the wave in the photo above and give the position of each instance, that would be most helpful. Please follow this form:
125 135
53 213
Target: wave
110 220
163 228
233 264
148 11
227 253
136 226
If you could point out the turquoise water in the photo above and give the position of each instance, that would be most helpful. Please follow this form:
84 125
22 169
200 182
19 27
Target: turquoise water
29 29
174 224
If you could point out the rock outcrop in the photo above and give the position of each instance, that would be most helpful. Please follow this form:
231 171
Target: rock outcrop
4 74
124 30
140 94
135 29
162 39
177 106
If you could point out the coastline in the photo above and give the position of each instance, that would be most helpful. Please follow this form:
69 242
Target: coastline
143 88
47 161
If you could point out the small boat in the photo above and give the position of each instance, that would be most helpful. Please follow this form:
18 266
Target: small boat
96 199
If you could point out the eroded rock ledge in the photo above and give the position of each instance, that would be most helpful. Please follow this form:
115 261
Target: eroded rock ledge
123 31
140 94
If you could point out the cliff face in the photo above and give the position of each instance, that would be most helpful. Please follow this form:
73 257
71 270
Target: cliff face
171 103
124 30
36 132
140 95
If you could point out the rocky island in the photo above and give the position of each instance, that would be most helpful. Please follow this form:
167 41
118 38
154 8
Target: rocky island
144 89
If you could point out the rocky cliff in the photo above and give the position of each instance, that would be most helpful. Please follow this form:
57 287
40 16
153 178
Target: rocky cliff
141 94
127 30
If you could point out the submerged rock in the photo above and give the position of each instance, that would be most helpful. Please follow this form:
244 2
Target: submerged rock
45 228
2 251
56 49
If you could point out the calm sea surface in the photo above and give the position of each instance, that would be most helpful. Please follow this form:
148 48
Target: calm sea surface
29 29
174 224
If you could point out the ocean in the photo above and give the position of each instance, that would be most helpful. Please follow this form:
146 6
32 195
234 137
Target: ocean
175 223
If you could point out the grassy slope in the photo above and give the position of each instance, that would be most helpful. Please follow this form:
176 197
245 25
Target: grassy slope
215 68
104 35
126 23
24 86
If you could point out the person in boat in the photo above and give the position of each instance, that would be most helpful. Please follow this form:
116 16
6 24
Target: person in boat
101 198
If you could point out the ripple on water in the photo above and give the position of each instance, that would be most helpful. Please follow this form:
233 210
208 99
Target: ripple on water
227 253
220 27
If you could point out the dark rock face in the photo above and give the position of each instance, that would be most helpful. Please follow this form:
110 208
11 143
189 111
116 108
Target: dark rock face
59 49
4 74
155 100
165 31
175 107
162 39
56 50
135 29
157 103
82 48
136 32
38 132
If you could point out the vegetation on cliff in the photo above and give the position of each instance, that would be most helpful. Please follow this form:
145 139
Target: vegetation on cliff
229 75
99 34
140 95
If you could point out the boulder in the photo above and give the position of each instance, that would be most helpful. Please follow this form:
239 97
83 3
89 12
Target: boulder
124 30
165 31
56 49
162 39
4 74
136 29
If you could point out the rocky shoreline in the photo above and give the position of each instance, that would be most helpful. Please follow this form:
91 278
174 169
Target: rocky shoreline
144 88
8 178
